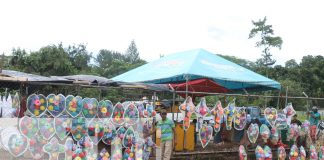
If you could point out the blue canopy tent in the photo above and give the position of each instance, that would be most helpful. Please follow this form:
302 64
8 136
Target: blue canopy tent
186 66
203 70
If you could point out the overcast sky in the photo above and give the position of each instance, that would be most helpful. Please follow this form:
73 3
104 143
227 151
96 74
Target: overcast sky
163 27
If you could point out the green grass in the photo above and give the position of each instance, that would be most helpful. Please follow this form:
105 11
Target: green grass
302 116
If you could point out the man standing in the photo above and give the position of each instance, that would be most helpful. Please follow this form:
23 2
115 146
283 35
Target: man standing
168 135
313 120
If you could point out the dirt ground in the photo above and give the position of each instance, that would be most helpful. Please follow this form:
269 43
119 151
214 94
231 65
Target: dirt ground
228 151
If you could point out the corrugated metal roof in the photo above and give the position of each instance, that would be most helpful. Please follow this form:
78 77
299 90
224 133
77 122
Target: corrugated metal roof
91 80
86 78
21 76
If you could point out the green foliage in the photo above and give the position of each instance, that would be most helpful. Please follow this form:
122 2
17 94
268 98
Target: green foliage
114 95
294 89
51 60
105 58
132 55
211 100
304 77
56 60
79 57
90 92
267 40
18 59
312 74
291 64
112 63
239 61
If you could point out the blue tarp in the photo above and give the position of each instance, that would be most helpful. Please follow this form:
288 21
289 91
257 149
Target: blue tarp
196 64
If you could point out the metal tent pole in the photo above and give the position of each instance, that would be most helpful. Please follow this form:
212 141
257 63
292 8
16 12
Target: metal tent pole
185 135
173 100
173 103
187 79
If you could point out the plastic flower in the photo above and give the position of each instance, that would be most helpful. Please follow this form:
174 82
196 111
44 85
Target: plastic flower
37 102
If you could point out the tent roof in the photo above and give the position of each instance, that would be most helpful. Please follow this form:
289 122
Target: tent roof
199 85
196 64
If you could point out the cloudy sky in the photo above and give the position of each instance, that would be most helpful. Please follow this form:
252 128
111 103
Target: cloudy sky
163 27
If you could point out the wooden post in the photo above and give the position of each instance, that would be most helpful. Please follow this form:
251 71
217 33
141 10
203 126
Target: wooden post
2 62
286 96
278 99
100 94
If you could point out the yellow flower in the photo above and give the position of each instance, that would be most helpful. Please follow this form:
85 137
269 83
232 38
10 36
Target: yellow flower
104 110
42 100
50 107
78 158
54 154
51 100
36 112
42 108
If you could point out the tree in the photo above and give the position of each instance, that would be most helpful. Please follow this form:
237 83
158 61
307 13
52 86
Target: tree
291 64
239 61
112 63
105 58
79 56
267 40
50 61
294 89
312 74
132 55
278 72
18 59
